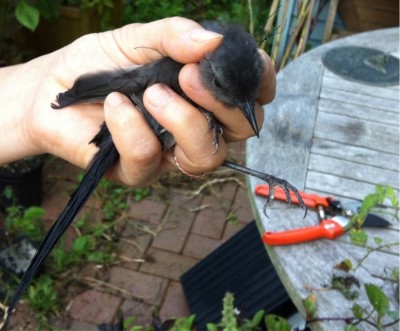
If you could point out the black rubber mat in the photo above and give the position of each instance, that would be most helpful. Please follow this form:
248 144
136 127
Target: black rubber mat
242 267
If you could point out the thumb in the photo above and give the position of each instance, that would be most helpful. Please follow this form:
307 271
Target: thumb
179 38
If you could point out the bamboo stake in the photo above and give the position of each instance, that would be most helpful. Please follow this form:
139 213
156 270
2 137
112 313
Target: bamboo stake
330 20
270 21
300 23
278 37
304 36
251 24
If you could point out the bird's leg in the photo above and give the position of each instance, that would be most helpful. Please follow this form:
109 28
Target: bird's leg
216 127
272 181
213 125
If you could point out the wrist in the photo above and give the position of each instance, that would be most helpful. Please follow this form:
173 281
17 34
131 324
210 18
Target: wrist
18 100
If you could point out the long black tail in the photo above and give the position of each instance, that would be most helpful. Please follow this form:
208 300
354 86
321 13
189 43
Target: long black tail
103 160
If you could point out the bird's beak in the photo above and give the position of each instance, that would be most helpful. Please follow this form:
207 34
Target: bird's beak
249 112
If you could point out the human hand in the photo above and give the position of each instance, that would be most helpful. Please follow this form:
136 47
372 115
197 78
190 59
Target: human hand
66 132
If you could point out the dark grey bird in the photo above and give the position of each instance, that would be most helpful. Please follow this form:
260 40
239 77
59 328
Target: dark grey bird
232 73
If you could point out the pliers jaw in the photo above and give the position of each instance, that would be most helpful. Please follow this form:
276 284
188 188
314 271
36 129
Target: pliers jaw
333 207
334 217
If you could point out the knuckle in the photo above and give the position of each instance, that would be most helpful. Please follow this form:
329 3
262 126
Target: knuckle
144 153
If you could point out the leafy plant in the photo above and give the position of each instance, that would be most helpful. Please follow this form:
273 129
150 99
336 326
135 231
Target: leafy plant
222 10
230 320
378 300
29 13
115 197
232 218
372 202
141 193
88 246
22 166
372 315
25 222
183 324
42 297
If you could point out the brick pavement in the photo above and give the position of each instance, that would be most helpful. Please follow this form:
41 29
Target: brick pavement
185 231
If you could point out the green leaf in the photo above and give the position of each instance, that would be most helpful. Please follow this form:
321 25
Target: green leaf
228 313
82 244
395 274
344 285
378 240
183 323
128 321
358 237
345 265
310 306
8 192
34 213
108 3
49 10
378 299
277 323
27 15
394 314
257 318
212 327
358 311
391 194
350 327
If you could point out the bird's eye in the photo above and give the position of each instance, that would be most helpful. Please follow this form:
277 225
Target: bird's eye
217 83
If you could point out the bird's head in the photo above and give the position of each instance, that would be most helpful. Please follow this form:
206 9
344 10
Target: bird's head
233 72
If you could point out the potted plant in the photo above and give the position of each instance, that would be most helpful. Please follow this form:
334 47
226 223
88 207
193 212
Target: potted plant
21 182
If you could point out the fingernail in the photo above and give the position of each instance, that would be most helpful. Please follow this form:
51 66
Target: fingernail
193 80
158 95
202 35
114 100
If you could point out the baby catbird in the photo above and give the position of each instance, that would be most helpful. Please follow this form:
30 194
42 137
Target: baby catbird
232 73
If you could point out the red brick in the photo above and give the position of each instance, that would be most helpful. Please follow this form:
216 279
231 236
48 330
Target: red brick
175 230
144 287
131 249
231 229
241 206
23 319
62 170
82 326
184 200
210 221
174 305
237 151
199 246
56 198
167 264
147 210
95 307
140 310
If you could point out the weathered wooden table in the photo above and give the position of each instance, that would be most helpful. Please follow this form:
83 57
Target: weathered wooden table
331 136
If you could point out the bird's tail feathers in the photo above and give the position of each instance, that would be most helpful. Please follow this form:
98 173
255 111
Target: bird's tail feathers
103 160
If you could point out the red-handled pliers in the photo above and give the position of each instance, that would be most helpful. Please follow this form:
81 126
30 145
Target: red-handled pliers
329 228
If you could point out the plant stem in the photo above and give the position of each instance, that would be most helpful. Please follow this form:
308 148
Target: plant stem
373 250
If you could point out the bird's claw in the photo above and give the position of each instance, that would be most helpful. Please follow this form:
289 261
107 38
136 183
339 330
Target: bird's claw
287 187
214 126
